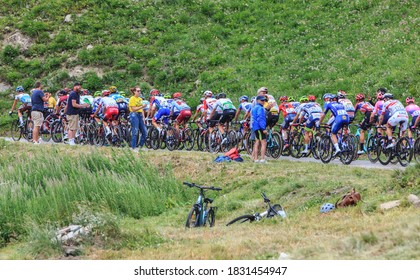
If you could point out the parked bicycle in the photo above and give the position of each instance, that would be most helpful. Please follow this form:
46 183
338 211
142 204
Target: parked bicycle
202 212
18 131
272 211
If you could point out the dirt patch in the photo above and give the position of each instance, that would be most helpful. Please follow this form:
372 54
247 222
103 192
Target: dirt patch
79 70
17 38
4 87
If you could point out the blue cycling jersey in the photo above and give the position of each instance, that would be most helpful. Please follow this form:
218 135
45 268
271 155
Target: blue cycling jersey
118 98
337 109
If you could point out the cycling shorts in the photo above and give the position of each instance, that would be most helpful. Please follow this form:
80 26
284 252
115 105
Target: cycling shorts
365 124
272 119
227 116
184 116
313 121
260 135
413 120
287 120
397 118
161 112
25 107
213 121
339 122
111 113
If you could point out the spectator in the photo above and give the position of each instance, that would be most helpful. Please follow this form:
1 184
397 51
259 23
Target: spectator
72 111
38 98
259 124
136 107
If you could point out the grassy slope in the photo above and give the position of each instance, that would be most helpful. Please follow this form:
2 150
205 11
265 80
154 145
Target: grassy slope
363 232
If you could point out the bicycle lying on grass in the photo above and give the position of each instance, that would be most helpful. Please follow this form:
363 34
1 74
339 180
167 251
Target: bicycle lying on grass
273 210
201 212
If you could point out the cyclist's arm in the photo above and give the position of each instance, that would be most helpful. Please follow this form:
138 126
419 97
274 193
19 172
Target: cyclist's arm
416 123
97 110
14 105
212 112
237 114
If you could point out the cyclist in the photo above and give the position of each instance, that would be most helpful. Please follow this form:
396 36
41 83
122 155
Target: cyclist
161 106
209 105
246 107
179 111
366 109
288 109
62 101
377 110
107 110
414 112
199 111
228 112
26 104
348 105
398 115
86 98
340 120
312 113
121 102
302 103
154 105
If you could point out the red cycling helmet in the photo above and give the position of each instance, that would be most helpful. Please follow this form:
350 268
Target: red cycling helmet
177 95
284 98
360 96
105 92
409 99
311 98
154 92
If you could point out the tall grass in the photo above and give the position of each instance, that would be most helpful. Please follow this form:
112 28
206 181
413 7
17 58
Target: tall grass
48 185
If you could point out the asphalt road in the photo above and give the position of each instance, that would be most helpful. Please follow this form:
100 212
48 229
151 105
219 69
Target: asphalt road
356 163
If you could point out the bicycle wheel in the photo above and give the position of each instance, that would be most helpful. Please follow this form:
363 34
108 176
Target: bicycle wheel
384 155
90 133
192 219
45 131
29 130
314 146
15 130
372 149
276 145
417 150
56 131
325 149
196 136
188 139
99 139
297 146
215 140
347 149
242 219
154 138
171 139
211 218
250 144
404 151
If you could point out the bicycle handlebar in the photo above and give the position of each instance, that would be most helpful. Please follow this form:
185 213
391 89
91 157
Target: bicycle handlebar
202 187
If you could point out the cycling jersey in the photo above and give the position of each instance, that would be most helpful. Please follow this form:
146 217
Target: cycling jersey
340 116
24 98
272 101
393 107
118 98
158 102
107 102
413 110
378 107
364 107
288 108
312 112
245 106
224 104
209 104
179 105
147 103
348 106
96 102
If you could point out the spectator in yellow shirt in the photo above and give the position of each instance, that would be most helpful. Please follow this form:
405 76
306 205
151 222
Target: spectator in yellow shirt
136 106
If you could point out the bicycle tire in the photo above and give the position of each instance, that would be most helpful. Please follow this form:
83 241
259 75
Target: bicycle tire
192 219
16 131
214 142
154 138
242 219
404 151
297 145
250 144
372 149
45 131
347 149
171 139
325 149
188 139
277 145
384 155
211 218
416 150
29 130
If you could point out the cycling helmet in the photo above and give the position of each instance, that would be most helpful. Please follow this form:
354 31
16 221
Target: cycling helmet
291 99
253 98
388 95
303 99
312 98
167 96
409 100
284 98
202 100
106 92
262 89
122 93
341 95
360 97
20 89
243 98
327 96
112 89
208 93
96 94
333 97
86 92
177 95
327 207
221 95
154 92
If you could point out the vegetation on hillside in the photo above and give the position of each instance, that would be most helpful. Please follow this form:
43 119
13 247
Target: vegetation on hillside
292 47
141 205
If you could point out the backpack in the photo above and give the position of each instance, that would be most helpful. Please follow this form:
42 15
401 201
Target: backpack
222 159
349 199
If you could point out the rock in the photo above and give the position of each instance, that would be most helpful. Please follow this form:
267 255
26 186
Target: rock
71 251
283 256
416 204
413 198
89 47
390 205
68 18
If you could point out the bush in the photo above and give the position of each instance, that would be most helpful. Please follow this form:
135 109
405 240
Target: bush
135 69
9 53
92 82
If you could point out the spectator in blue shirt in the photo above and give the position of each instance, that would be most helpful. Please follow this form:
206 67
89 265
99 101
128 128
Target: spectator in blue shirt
38 98
258 126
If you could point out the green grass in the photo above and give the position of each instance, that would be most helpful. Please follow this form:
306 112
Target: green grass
139 205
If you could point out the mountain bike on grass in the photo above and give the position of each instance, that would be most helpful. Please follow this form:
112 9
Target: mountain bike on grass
272 211
202 212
